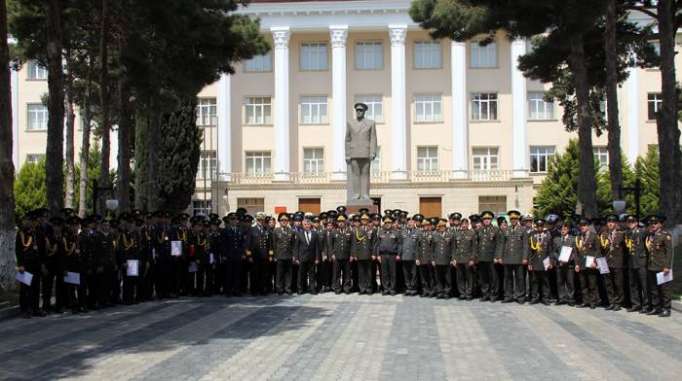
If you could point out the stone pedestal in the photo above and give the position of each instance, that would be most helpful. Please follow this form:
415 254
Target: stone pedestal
353 206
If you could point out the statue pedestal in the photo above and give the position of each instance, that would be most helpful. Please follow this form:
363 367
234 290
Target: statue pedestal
353 206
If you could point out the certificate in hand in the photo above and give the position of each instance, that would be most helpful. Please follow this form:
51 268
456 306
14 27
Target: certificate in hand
603 265
589 260
72 278
133 268
661 277
565 254
547 262
176 248
25 278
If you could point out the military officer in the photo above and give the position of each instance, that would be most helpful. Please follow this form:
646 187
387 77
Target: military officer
29 260
232 253
325 267
660 248
388 252
443 257
635 237
514 259
539 261
425 261
587 247
408 254
361 249
283 245
612 242
565 270
341 246
259 251
465 246
489 237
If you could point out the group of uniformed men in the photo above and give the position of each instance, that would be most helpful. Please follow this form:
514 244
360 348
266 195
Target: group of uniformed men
519 259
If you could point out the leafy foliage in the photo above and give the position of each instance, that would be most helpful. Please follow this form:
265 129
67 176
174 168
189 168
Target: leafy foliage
30 191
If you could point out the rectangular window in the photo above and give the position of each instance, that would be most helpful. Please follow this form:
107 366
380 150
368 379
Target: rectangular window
208 165
539 158
34 158
427 159
375 107
201 207
601 156
427 55
206 112
259 63
495 204
485 158
258 111
428 108
313 110
314 56
538 108
369 56
252 205
36 72
483 56
654 103
484 106
313 161
37 117
258 163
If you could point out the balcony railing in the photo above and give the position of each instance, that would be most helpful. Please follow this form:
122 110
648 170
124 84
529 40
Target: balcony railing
377 177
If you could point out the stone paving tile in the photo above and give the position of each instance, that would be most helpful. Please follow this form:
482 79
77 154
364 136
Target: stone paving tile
342 337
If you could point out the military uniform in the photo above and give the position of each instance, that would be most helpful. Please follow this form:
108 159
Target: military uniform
465 248
361 250
514 255
283 245
659 245
443 256
231 253
489 248
325 266
129 246
388 247
426 262
28 258
587 245
341 246
613 244
408 255
259 251
539 250
566 274
73 262
637 262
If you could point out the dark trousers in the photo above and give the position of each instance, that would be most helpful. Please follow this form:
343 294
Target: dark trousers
497 287
53 281
115 286
566 282
364 275
256 275
588 281
661 295
443 280
306 277
210 271
341 279
375 269
131 289
324 272
427 278
614 286
539 286
101 287
464 278
29 296
233 277
487 280
410 276
283 277
639 289
76 295
514 282
269 272
165 278
388 272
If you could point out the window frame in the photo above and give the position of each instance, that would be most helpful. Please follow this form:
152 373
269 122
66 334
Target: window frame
547 112
488 102
488 156
318 162
261 156
33 69
430 161
301 55
256 106
212 114
437 99
657 103
476 45
430 43
259 58
321 119
356 55
371 105
29 112
539 157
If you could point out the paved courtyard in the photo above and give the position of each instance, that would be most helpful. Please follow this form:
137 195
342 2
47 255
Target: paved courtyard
344 337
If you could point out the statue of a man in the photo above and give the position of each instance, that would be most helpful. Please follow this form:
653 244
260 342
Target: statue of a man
361 149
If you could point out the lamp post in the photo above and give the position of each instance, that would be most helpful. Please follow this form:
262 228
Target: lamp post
637 190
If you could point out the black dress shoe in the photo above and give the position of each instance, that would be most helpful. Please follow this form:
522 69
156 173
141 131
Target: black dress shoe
633 309
654 312
507 301
581 305
664 313
616 308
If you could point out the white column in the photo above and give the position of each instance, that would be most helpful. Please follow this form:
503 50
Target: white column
280 36
633 102
15 119
398 115
339 35
224 116
519 129
460 128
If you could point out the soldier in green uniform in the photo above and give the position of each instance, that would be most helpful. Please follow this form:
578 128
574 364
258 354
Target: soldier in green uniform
362 249
443 257
424 260
565 270
283 246
388 252
29 260
637 260
465 246
514 259
325 267
539 251
612 242
489 237
409 235
660 248
129 247
341 244
587 246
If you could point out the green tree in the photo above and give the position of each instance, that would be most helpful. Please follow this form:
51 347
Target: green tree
647 170
30 191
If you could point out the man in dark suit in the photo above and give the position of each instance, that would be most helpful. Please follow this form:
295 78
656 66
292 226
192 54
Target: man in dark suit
258 252
307 256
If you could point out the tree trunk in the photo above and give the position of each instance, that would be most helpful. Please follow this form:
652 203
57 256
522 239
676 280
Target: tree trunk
86 117
613 125
7 231
668 131
70 165
587 184
104 103
124 133
54 167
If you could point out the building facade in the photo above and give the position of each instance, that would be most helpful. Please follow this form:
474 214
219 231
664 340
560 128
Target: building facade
459 127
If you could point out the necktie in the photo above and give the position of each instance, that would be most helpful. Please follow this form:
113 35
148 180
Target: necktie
307 237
